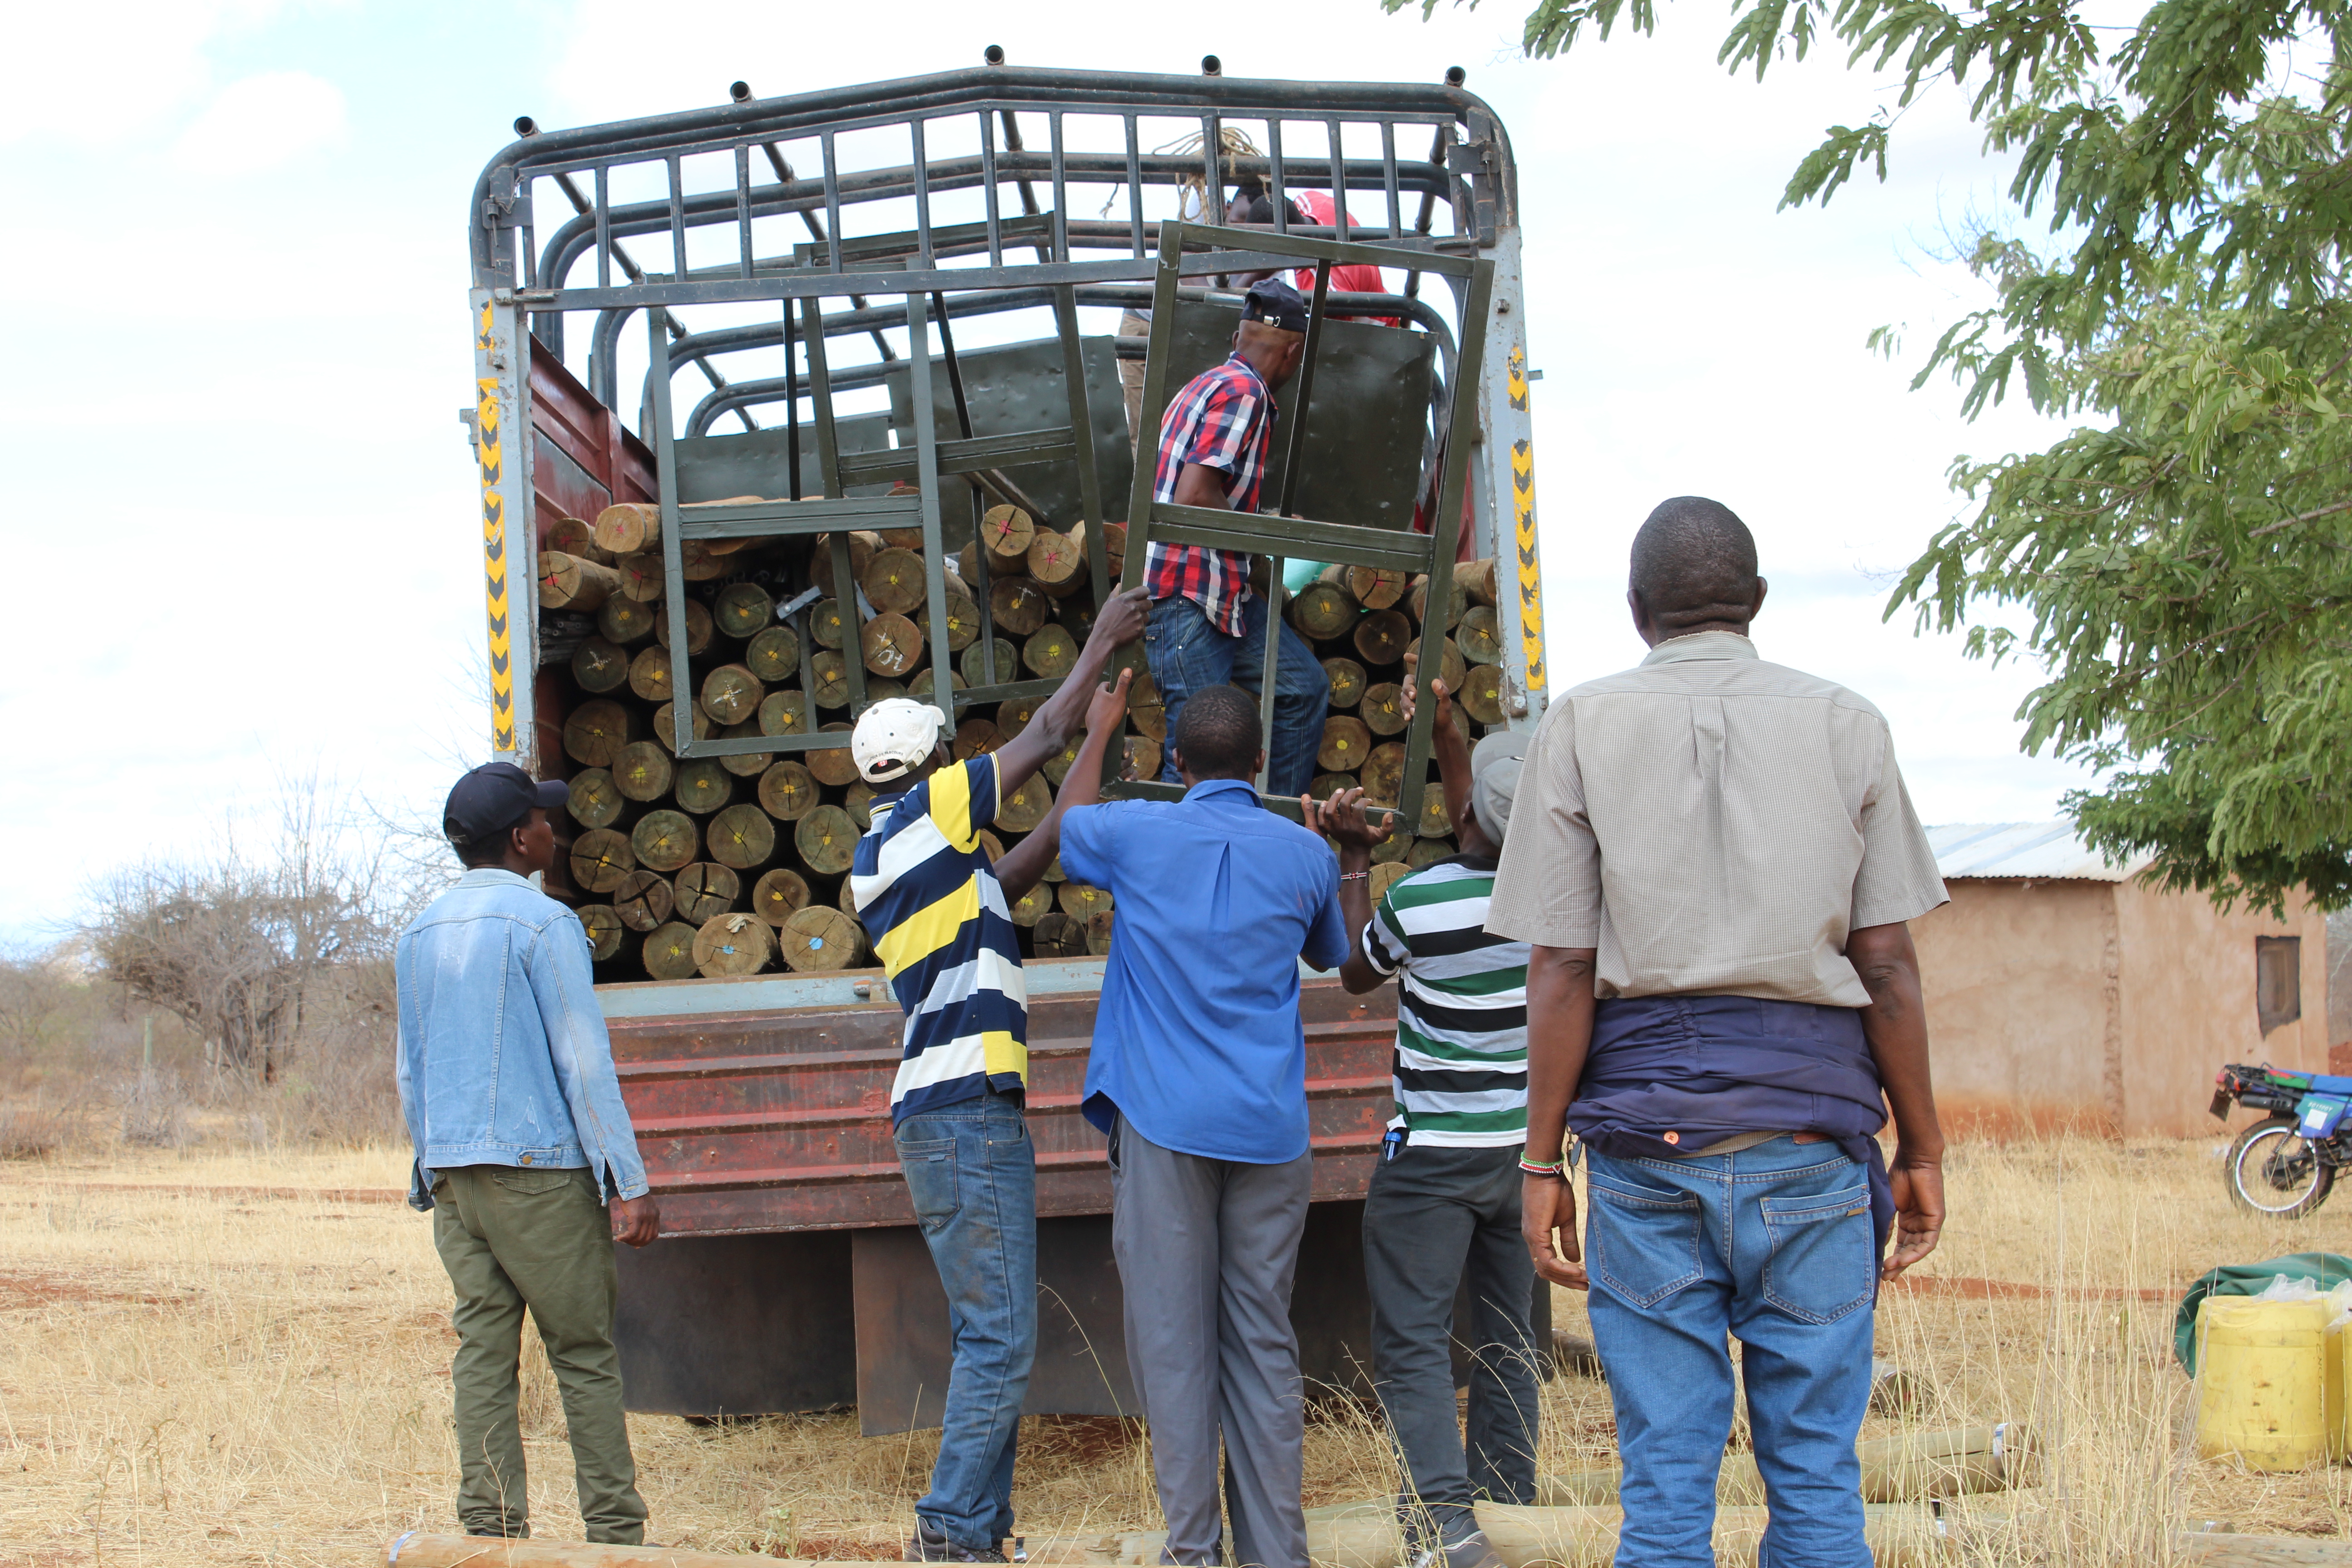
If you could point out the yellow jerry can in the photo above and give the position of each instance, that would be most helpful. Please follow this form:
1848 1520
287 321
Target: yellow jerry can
2263 1387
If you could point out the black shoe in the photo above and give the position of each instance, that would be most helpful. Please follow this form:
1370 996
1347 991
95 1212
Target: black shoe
1472 1550
931 1545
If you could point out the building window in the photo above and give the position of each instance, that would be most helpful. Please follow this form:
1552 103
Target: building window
2278 980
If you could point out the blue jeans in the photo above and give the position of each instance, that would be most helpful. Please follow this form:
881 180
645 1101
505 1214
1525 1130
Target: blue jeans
1187 653
972 1173
1773 1244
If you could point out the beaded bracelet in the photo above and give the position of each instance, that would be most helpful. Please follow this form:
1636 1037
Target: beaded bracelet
1558 1168
1354 876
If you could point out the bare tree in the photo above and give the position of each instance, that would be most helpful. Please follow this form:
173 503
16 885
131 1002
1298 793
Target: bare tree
236 943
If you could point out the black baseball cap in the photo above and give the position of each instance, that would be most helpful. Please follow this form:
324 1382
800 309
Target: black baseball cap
1276 303
495 797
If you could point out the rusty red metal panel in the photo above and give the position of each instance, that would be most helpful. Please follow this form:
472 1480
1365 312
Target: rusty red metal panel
583 460
780 1121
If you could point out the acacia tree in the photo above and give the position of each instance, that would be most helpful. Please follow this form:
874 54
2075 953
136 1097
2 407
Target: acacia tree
2185 554
235 945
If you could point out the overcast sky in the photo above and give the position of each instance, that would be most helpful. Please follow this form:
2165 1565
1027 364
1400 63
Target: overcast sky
243 513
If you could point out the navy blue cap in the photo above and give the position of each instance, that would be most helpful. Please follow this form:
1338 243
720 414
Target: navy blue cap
1276 303
495 797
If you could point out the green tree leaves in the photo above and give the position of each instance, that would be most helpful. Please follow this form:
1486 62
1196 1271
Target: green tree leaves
2184 557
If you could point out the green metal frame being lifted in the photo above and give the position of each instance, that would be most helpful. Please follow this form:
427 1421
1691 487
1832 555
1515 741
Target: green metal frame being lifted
1279 534
836 513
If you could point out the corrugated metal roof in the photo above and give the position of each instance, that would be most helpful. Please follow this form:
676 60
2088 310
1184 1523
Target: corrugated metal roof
2026 850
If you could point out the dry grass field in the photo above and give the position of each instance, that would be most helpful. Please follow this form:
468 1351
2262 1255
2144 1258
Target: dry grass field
213 1358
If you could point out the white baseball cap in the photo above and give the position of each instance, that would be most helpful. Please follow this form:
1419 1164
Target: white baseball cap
895 735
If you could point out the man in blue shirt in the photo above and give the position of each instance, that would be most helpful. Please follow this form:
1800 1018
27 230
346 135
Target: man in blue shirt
524 1154
1199 1076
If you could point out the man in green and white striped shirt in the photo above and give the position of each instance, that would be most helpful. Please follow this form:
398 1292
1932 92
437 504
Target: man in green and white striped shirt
1444 1199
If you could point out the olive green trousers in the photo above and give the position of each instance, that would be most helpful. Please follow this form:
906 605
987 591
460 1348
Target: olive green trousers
514 1237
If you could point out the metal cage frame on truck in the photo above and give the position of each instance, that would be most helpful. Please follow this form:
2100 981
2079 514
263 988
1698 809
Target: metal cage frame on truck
761 1103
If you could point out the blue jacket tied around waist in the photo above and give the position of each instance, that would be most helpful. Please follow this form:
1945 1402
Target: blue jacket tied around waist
1710 1067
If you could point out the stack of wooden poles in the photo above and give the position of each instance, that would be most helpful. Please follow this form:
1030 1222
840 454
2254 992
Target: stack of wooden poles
727 865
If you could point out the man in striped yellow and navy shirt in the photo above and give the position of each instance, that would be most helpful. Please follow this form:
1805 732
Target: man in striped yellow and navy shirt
938 915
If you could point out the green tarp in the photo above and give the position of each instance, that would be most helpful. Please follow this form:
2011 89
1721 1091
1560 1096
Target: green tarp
2324 1269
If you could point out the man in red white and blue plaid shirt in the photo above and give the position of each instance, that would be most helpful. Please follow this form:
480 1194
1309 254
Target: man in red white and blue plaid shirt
1208 627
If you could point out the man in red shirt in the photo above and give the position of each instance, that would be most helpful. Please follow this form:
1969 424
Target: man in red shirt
1208 626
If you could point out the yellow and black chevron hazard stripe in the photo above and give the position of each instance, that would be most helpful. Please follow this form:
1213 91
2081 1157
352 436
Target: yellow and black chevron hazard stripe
488 451
1523 519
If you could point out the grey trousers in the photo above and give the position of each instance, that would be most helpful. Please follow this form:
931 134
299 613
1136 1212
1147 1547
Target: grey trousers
1434 1217
1207 1250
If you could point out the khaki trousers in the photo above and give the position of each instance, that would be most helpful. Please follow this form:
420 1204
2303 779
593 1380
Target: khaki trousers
514 1237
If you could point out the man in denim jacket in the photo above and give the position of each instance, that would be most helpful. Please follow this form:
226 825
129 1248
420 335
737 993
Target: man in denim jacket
507 1082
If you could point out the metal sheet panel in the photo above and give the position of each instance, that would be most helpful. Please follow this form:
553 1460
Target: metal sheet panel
1367 429
904 1344
759 462
737 1325
1020 387
2028 850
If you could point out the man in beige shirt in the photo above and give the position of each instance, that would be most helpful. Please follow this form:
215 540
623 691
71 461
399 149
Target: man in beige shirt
1713 858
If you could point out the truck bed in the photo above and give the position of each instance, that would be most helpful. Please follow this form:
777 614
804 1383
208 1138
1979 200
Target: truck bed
758 1121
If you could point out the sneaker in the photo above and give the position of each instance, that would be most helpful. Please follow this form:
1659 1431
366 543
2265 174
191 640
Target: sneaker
931 1545
1472 1550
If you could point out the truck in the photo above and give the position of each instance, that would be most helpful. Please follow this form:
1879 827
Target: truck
892 301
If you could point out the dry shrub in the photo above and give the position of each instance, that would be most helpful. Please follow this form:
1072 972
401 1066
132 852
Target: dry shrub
32 1131
155 1110
334 1083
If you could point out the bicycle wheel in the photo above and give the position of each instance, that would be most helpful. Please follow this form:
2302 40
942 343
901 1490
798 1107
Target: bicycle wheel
2274 1171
